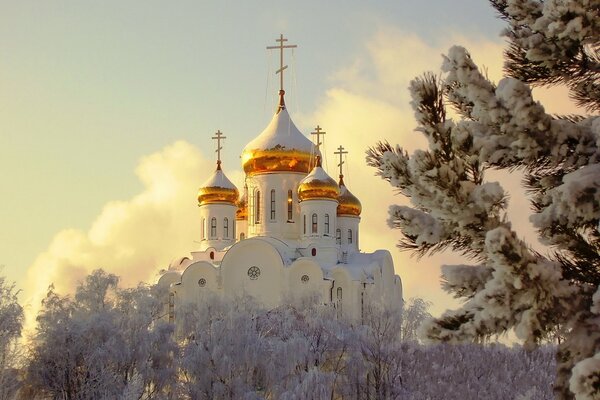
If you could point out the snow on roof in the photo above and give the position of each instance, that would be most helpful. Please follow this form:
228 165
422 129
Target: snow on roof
218 179
281 133
360 266
317 174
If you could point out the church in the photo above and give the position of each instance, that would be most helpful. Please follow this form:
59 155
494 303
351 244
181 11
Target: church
292 232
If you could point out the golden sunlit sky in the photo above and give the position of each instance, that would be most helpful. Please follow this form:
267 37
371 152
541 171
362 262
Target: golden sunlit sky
107 108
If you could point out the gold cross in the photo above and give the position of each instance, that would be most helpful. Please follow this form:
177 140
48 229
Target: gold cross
218 137
341 152
281 66
318 131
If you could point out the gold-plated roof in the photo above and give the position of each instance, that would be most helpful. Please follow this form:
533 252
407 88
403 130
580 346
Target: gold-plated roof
318 185
218 189
348 203
281 147
242 206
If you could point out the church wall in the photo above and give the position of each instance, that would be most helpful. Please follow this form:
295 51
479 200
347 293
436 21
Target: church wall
305 279
220 236
253 267
323 231
199 280
279 227
347 223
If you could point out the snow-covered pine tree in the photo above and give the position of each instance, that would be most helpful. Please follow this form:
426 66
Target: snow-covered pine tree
502 127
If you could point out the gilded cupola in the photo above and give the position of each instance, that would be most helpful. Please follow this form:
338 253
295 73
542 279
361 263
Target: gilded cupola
348 203
318 185
218 189
281 147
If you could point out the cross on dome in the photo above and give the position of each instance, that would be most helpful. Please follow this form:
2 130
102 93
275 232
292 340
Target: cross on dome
318 132
341 153
218 137
282 67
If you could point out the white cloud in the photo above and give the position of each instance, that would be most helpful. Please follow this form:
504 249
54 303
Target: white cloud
131 238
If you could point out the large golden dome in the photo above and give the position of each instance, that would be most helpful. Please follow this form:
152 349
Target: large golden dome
218 189
348 203
318 185
281 147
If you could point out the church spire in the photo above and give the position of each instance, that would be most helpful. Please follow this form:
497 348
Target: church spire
282 67
218 137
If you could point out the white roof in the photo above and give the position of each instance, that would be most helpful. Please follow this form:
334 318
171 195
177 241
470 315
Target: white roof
218 179
317 174
281 133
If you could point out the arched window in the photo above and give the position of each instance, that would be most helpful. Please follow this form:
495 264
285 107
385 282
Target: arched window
234 231
272 204
225 228
338 236
290 205
327 224
339 293
213 228
304 221
257 208
314 223
203 228
242 236
313 252
349 236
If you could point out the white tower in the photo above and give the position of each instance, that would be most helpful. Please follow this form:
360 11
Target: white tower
348 214
275 162
217 199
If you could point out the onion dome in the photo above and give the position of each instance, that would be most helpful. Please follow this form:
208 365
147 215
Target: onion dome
348 203
242 206
281 147
318 185
218 189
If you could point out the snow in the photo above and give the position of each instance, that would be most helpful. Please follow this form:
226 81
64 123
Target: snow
317 174
218 180
281 133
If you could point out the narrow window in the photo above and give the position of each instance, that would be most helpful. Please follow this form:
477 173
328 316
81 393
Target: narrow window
313 252
203 228
171 307
257 208
272 204
339 293
304 219
338 236
290 205
349 236
327 224
213 228
225 228
314 223
234 231
242 236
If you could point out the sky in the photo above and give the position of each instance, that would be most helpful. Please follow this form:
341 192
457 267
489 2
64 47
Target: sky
107 108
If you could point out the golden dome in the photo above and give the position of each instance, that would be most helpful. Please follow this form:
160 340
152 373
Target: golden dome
318 185
281 147
242 206
218 189
348 203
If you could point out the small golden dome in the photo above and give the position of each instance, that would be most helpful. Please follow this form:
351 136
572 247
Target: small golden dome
348 203
218 189
281 147
242 206
318 185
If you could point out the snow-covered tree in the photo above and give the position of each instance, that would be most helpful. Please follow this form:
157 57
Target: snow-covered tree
500 126
414 313
105 342
11 321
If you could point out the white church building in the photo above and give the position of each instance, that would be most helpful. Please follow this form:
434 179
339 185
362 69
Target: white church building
293 232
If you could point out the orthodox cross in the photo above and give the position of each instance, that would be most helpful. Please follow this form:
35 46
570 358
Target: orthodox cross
218 137
281 66
341 153
318 132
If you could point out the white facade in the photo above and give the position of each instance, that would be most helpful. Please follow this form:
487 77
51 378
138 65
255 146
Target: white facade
279 248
